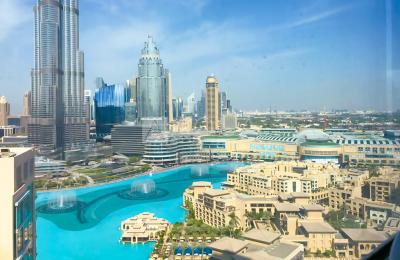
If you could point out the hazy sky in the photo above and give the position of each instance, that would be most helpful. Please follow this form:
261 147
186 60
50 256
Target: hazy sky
286 54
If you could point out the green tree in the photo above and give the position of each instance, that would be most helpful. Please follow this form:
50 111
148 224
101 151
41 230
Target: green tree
233 222
190 210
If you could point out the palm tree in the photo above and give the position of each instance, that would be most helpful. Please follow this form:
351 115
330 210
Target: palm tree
265 215
249 217
233 222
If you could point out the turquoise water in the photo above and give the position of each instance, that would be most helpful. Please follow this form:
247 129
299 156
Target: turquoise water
91 229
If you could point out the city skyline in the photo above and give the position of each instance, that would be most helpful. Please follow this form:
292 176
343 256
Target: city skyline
281 56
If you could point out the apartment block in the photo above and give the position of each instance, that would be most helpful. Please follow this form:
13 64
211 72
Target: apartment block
17 204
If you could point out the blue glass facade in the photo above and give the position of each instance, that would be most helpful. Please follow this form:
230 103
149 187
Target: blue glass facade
109 101
267 151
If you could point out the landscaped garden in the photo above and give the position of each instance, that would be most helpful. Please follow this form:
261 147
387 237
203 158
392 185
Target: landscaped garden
339 219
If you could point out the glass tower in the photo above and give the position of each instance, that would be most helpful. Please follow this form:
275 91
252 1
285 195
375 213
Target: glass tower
153 91
109 102
58 113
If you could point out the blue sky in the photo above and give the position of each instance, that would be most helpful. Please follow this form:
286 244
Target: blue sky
285 54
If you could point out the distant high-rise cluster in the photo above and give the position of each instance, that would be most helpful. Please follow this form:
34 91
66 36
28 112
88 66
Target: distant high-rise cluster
58 112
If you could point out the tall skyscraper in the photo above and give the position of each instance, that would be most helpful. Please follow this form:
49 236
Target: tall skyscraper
229 120
229 105
131 83
191 103
58 113
152 88
212 121
17 204
88 105
201 105
222 107
4 111
180 108
131 111
169 98
109 102
27 104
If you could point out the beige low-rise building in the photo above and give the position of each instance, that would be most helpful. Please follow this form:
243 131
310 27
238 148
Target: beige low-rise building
341 195
361 241
142 228
283 177
319 234
256 244
293 215
382 188
370 211
216 207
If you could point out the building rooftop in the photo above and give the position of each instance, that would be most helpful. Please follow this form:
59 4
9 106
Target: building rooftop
364 234
393 222
299 195
220 137
282 249
312 207
201 184
317 227
319 143
284 138
261 235
10 152
216 192
284 206
275 251
228 244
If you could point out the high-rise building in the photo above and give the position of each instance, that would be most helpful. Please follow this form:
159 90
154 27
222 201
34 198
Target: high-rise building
26 113
180 107
4 111
27 104
153 90
109 102
177 108
131 111
170 112
58 113
129 139
222 107
88 105
201 105
212 118
229 105
131 83
191 104
17 204
229 120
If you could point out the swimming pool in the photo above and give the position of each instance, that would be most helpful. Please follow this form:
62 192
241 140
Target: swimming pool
90 229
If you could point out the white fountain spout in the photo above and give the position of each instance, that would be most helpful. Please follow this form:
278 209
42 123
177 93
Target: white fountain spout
61 204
